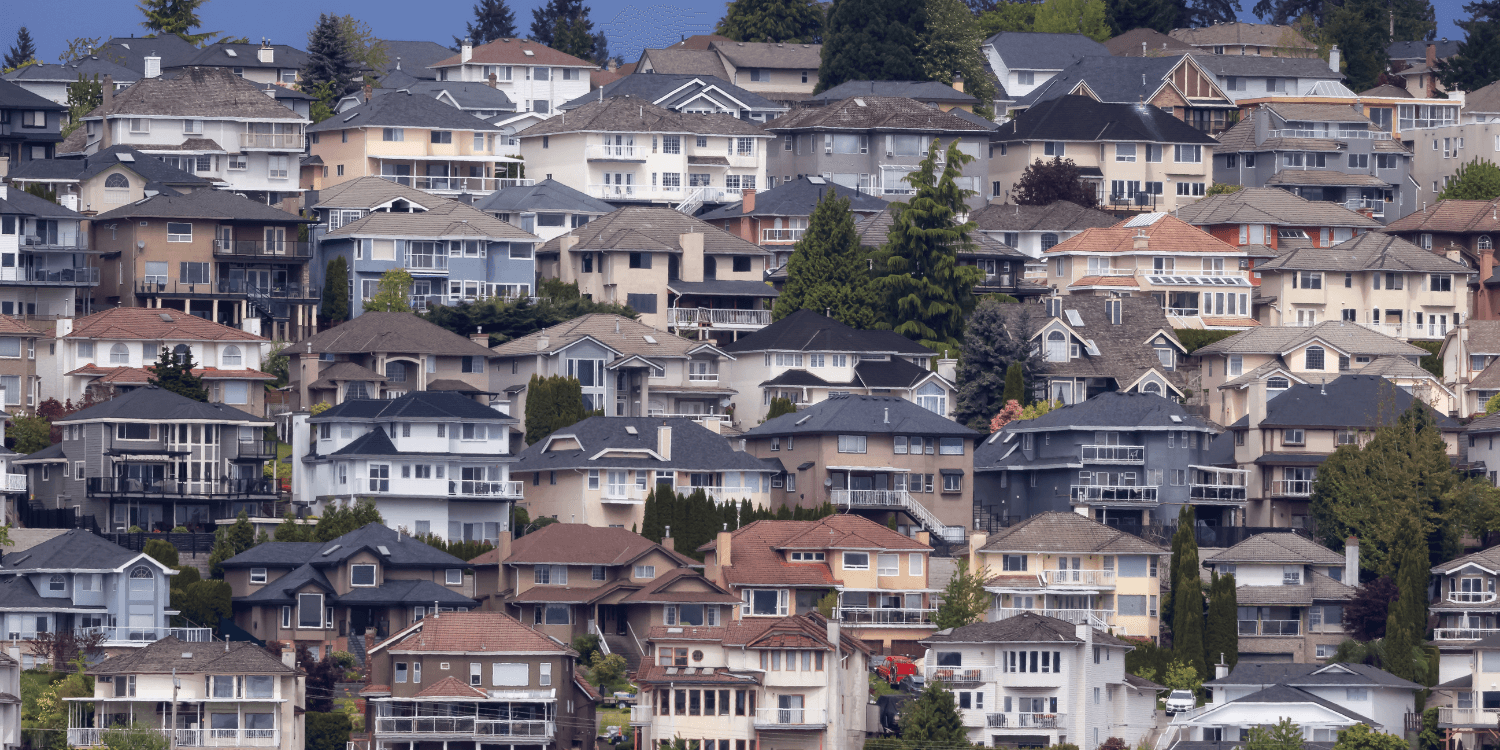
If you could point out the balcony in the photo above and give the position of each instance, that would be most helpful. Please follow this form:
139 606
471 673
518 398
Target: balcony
171 488
466 726
1376 205
719 318
161 285
1103 493
1026 721
1471 597
1372 135
1462 634
705 377
721 495
615 153
93 737
1270 627
427 263
67 243
1292 487
262 249
1468 717
703 193
615 494
1114 454
790 718
641 715
952 675
50 276
146 636
271 141
1076 577
474 488
15 482
265 449
723 419
781 235
1099 618
1215 493
897 499
884 617
457 184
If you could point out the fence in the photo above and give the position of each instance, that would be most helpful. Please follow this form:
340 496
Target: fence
189 543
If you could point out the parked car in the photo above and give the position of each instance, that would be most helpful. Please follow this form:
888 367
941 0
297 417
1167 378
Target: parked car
1180 700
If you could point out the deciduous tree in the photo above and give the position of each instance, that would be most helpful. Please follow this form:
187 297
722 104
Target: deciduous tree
392 293
1283 735
826 273
950 46
964 599
1365 614
83 96
1362 737
1087 17
1046 182
789 21
32 432
1479 180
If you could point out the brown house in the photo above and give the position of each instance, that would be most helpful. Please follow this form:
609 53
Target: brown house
1464 231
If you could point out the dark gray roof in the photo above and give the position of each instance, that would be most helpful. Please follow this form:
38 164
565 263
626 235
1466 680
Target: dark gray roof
649 227
922 91
1309 675
413 57
404 551
1137 411
20 202
201 204
862 415
417 405
75 549
236 55
798 198
1081 118
17 593
892 373
635 114
1370 251
284 589
693 447
403 110
806 330
545 196
1345 401
372 443
148 167
1261 65
1417 50
1113 79
1025 50
88 67
13 96
151 402
1287 694
170 655
382 332
1125 350
1027 627
659 89
131 51
396 591
1057 216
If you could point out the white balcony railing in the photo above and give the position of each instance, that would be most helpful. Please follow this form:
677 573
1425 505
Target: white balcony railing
1099 618
1216 493
1077 577
15 482
1270 627
484 489
457 184
1471 597
1103 493
897 499
1026 721
950 675
1373 135
723 419
468 726
1468 717
94 737
781 235
1114 454
719 318
791 717
721 495
641 715
615 152
145 636
1292 487
883 617
701 193
1462 634
614 493
272 141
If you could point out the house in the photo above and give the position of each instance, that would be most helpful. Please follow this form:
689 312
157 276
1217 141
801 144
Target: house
777 218
776 568
1266 221
453 252
567 580
1482 105
670 268
437 462
1322 152
861 454
1277 356
108 178
624 368
19 379
702 94
546 209
209 253
1024 60
452 152
32 125
141 53
51 81
872 143
1085 693
601 148
1003 266
385 355
412 58
1178 85
238 696
1464 231
1251 79
1066 566
935 94
476 98
807 358
263 63
1033 230
345 594
80 583
232 131
1418 64
536 77
1284 438
10 702
1235 38
599 471
740 671
1465 707
1093 345
47 251
1145 42
1439 152
679 60
151 458
1389 284
112 351
781 72
1291 594
1125 459
1124 162
505 681
1467 353
1463 601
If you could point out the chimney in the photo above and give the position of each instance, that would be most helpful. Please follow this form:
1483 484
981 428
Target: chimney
748 196
542 342
722 549
664 442
1431 55
1351 561
713 425
152 65
494 80
833 636
466 52
1221 670
977 540
1140 241
667 540
948 369
289 655
5 165
4 191
266 53
64 327
368 91
958 82
612 66
1333 59
924 537
480 337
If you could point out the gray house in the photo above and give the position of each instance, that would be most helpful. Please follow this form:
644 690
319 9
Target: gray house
30 126
1124 459
872 143
702 94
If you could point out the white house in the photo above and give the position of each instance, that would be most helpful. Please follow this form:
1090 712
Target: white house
536 77
10 701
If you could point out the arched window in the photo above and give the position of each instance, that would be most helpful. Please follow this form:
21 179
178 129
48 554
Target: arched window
1048 240
933 398
232 356
1057 347
117 180
141 572
119 354
1313 358
142 582
1152 388
1485 243
182 352
1278 384
395 372
57 583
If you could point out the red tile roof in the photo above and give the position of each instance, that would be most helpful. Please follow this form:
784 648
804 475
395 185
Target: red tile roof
375 690
694 675
661 590
796 631
474 631
154 324
12 326
1168 234
514 52
450 687
580 679
755 550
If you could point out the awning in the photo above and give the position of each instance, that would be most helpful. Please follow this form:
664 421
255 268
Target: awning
951 472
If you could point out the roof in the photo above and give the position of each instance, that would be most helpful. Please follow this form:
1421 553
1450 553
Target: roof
808 630
632 114
776 55
756 550
674 90
1113 409
1259 34
1262 205
1125 351
650 228
1027 627
798 198
398 109
207 93
1417 50
1486 99
404 551
633 443
75 549
416 405
80 168
1056 216
1484 336
478 95
659 590
515 52
153 403
922 91
619 333
1265 65
1125 80
1316 112
862 415
412 58
464 632
874 113
220 205
545 196
1310 675
1345 401
13 96
88 67
1325 178
369 192
806 330
673 61
1082 118
384 332
1067 532
171 656
1352 339
1167 235
579 544
244 55
451 687
1129 44
1026 50
443 218
20 202
131 51
1370 251
1286 548
147 324
1451 216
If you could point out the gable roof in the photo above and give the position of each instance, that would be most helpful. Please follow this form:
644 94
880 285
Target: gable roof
1371 251
21 203
443 218
651 228
88 67
412 58
201 204
660 590
464 632
579 544
633 443
756 549
1265 65
403 108
777 55
1112 410
1262 205
1451 216
1130 44
874 113
1067 532
806 330
13 96
515 52
80 168
146 324
1055 216
798 198
1352 339
373 332
401 551
169 656
369 192
922 91
153 403
1346 401
1082 118
674 61
626 336
1027 50
671 90
862 415
1027 627
1235 32
74 549
1310 675
207 93
416 405
1125 351
466 95
545 196
1123 80
243 55
1285 548
632 114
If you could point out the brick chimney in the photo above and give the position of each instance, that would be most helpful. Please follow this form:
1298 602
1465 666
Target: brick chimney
368 91
1140 241
480 337
748 196
494 80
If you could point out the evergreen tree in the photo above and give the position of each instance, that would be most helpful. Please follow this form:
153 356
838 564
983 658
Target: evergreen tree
1015 383
997 357
571 17
780 406
1477 62
1187 589
928 294
1362 30
1087 17
964 598
392 292
1479 180
336 290
1366 613
1046 182
933 721
651 524
1209 12
1168 602
871 40
950 46
330 67
339 520
176 375
1160 15
493 19
178 17
23 51
1406 625
1003 16
552 403
1283 735
83 96
230 541
1221 631
789 21
826 273
291 531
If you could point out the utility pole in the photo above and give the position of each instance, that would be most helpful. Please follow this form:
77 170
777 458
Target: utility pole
172 731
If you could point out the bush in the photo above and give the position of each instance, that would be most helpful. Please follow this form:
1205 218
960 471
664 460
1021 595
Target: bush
179 530
327 731
586 645
344 659
161 551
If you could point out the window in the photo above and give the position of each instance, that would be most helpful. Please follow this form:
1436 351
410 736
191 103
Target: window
442 136
953 483
1025 77
646 572
1013 563
1190 188
392 134
851 444
951 446
887 565
764 602
1441 282
1293 437
380 477
1053 148
179 232
276 167
1187 154
1308 280
1313 358
856 561
554 575
401 672
309 610
362 575
232 356
257 575
1124 152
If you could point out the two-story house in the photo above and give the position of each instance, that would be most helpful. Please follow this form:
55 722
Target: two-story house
261 63
776 568
223 125
44 258
1037 679
688 93
345 594
31 126
1125 459
209 253
1374 280
1465 695
600 470
1464 599
488 678
1480 435
1291 594
536 77
436 462
1258 39
197 695
546 209
106 179
1141 158
77 582
796 681
807 358
1248 79
1176 84
1266 221
50 81
1065 566
625 368
1033 230
777 218
670 268
1024 60
20 380
626 149
878 455
1464 231
872 143
10 706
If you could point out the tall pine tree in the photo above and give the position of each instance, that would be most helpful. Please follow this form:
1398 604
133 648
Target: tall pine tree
493 19
1160 15
1477 62
871 40
175 373
23 51
1406 624
1221 637
1187 593
997 350
933 720
336 290
330 65
789 21
826 272
178 17
564 25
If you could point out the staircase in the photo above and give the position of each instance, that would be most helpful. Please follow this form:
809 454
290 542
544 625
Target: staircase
898 500
624 645
268 306
692 202
357 647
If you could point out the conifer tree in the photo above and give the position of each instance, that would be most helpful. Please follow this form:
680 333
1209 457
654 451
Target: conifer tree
493 19
997 357
826 273
788 21
336 290
330 65
1168 603
178 17
780 406
1015 384
1187 590
964 598
1406 624
564 25
1477 62
871 40
22 52
1221 631
1160 15
950 46
552 403
933 721
176 375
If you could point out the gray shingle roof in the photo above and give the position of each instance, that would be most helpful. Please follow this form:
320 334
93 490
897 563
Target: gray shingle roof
547 196
195 92
1113 79
1309 675
694 447
922 91
1270 206
467 94
13 96
873 113
88 67
1156 43
1350 339
855 414
170 655
445 405
1236 32
131 51
405 552
1027 627
806 330
633 114
396 110
696 62
1115 410
1345 401
444 217
377 332
1371 251
80 168
153 403
651 228
21 203
1025 50
1417 50
798 198
1278 548
75 549
659 89
1057 216
369 192
1261 65
1081 118
236 55
1068 532
413 57
201 204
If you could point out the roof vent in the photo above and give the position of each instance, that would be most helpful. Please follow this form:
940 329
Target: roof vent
384 550
1176 418
127 158
330 550
187 654
166 318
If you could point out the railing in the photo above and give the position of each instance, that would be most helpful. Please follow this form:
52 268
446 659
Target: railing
466 725
614 152
1471 597
1026 721
67 243
1077 577
1182 312
1270 627
255 448
686 195
1114 454
898 499
1102 493
93 737
149 635
161 285
704 376
272 141
1410 123
781 235
1462 634
456 184
15 482
1375 204
723 419
623 494
171 487
502 183
426 262
263 249
58 276
874 616
1217 493
1374 135
721 495
484 489
597 633
1099 618
704 317
202 543
1468 717
642 715
950 675
1292 487
782 717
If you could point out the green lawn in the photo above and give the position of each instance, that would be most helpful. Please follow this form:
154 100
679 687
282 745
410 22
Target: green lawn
614 717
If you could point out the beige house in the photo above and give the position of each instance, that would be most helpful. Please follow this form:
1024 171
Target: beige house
1291 594
1469 354
1236 38
109 178
766 68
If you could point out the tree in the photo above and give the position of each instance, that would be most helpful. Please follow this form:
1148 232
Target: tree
178 17
552 403
780 406
342 519
364 47
1479 180
22 52
932 720
291 531
1187 590
83 96
1160 15
505 319
1362 737
326 730
997 358
826 272
1476 64
1209 12
1365 614
1087 17
1363 29
1004 16
32 433
1221 630
1182 676
607 671
161 551
175 374
950 46
1223 188
1406 623
329 72
964 599
392 292
493 20
1044 183
1283 735
78 48
871 40
788 21
928 294
137 736
203 602
67 646
228 542
336 290
1015 382
564 25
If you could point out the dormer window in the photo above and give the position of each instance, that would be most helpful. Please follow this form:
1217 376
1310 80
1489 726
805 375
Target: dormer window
361 575
1057 347
57 583
807 557
1291 575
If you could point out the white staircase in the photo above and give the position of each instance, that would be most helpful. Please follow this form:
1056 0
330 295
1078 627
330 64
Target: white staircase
692 202
899 499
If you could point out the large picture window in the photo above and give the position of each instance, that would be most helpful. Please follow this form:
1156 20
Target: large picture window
309 610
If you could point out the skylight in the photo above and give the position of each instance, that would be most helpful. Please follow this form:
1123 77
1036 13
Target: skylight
330 550
650 339
384 550
231 53
1176 419
631 430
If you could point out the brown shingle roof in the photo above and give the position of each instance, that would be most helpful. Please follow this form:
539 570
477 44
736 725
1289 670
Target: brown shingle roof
1484 336
809 629
1258 34
1270 206
1285 548
205 93
770 54
650 228
1317 112
660 590
140 323
168 654
515 52
389 332
1326 178
367 192
756 550
631 114
578 544
652 673
1129 43
874 113
697 62
1059 215
473 631
1278 339
1453 216
1167 234
1370 251
1068 533
614 331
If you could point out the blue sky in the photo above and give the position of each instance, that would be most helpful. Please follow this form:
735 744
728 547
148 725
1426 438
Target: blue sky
630 26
